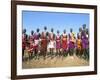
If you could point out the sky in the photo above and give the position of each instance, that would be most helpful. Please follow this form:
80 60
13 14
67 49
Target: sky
31 20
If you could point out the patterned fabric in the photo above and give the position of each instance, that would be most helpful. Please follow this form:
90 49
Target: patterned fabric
64 41
85 42
24 40
79 44
36 40
31 37
43 40
31 48
52 42
71 41
58 42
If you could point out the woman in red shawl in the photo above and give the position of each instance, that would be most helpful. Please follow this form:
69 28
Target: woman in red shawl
64 42
44 42
58 43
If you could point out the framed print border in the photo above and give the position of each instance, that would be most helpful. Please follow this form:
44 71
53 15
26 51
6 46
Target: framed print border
14 39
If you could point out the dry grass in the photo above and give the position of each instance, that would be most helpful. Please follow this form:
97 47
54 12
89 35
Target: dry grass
55 62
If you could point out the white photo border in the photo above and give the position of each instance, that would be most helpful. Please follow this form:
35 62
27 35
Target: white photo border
35 71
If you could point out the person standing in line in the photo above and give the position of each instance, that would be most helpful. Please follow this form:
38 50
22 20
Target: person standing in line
79 46
87 43
36 43
58 43
52 42
64 43
72 42
31 41
44 42
84 41
79 43
24 42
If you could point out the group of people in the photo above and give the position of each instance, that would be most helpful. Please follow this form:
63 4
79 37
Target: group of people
48 43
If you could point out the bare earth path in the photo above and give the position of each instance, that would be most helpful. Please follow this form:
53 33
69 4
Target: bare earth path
55 62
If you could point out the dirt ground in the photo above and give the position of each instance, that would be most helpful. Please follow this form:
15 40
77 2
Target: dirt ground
56 61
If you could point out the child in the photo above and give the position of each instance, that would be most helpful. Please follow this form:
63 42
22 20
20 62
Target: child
58 43
27 52
30 49
64 42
